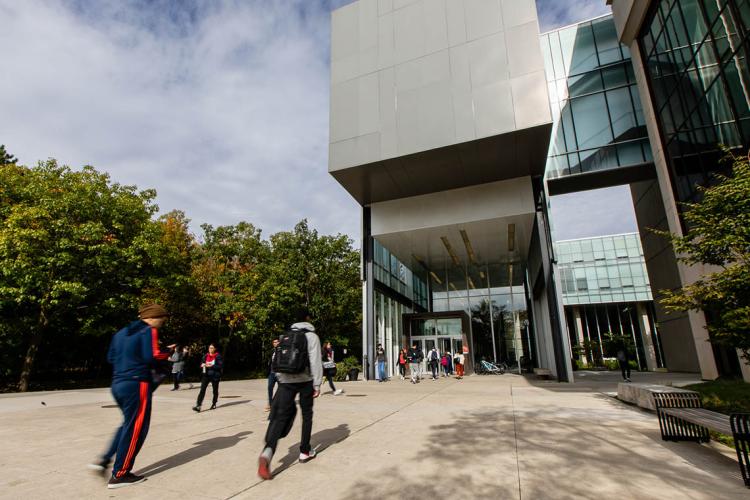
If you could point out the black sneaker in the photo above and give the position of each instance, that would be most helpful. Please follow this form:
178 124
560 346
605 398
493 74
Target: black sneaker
126 480
197 408
213 406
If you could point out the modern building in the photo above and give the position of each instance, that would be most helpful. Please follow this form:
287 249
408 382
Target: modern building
606 291
691 68
452 123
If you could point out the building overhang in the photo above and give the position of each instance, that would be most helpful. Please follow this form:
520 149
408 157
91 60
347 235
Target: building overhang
520 153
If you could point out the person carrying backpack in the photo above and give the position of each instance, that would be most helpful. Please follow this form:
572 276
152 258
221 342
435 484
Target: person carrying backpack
299 368
434 359
415 360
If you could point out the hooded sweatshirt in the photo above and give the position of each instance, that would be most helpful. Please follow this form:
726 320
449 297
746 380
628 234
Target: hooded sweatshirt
314 371
133 352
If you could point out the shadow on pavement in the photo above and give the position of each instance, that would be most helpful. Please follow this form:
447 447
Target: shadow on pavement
199 450
552 452
232 403
319 441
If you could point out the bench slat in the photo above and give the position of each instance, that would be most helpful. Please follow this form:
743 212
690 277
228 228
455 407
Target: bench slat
706 418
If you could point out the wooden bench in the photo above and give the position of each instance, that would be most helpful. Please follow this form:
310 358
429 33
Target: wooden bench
682 418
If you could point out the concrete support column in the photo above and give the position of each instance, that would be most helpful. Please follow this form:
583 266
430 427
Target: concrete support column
646 337
703 348
744 367
578 326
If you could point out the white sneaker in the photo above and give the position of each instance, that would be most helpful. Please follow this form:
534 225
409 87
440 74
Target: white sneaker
338 391
306 457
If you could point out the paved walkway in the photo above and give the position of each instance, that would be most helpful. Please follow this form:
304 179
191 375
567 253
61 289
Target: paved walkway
481 437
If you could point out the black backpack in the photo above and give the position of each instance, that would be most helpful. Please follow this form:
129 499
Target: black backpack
291 353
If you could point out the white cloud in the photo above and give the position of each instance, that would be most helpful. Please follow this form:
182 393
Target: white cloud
557 13
222 107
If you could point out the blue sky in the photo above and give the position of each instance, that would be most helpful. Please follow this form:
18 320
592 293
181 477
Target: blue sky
222 106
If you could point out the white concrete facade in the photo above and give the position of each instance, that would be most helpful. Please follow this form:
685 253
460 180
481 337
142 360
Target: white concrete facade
411 76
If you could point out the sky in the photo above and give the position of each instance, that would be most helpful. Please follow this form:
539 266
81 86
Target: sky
221 106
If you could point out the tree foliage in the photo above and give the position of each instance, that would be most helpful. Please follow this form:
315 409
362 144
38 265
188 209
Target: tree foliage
5 157
79 253
719 236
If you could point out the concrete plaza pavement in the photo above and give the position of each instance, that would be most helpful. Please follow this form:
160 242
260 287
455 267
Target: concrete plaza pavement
483 437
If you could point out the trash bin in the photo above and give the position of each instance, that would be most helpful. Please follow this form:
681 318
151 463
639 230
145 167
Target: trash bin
353 374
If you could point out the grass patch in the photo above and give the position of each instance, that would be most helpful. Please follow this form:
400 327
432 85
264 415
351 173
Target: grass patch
723 396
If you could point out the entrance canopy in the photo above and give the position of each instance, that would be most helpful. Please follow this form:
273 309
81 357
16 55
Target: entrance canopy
468 228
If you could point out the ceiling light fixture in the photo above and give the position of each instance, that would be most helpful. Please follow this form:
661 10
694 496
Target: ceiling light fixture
454 257
435 277
453 287
469 248
471 283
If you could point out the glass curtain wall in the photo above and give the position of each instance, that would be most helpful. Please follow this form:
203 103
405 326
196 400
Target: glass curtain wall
603 269
497 309
389 328
695 53
600 320
392 274
597 114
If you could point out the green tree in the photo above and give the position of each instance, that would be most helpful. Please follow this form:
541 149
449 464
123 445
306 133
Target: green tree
74 252
5 157
719 236
172 251
320 273
227 274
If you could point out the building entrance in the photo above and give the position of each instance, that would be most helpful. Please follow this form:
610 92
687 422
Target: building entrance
445 331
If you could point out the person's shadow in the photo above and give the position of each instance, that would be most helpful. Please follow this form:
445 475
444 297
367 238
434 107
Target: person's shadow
319 442
200 450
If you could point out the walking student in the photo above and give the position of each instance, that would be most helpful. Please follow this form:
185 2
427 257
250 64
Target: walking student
415 362
623 359
444 363
459 362
329 368
434 360
212 366
272 380
380 358
402 363
133 352
299 369
178 365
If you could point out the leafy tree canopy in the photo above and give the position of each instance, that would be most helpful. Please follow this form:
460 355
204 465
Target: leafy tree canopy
719 236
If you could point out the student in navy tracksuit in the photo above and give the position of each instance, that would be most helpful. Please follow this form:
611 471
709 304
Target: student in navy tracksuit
133 352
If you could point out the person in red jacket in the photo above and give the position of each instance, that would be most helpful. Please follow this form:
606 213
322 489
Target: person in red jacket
212 366
133 353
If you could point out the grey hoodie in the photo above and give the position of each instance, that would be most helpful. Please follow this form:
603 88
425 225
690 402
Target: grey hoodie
313 372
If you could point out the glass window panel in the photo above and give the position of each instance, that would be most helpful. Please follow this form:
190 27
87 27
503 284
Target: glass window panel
568 129
556 55
630 153
592 126
738 79
621 113
614 76
693 19
584 53
607 44
549 69
586 83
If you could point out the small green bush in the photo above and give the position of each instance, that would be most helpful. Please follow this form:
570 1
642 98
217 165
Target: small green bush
343 367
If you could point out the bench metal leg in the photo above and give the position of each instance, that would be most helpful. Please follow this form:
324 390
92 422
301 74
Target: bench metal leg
741 433
675 429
